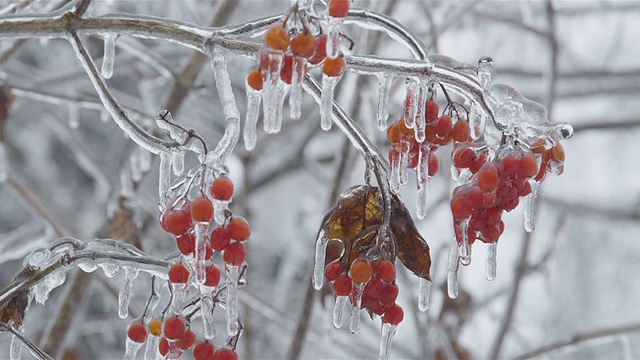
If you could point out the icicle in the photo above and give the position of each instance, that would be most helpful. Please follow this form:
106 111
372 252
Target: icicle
15 349
422 175
206 301
297 76
423 294
410 103
219 209
151 350
110 270
177 158
231 274
464 248
178 293
452 275
388 331
318 265
421 200
394 176
358 288
333 38
165 173
4 163
74 115
338 310
269 93
254 97
131 349
405 148
124 297
476 121
490 265
42 290
108 57
485 71
384 87
420 120
530 206
200 251
326 102
282 89
88 266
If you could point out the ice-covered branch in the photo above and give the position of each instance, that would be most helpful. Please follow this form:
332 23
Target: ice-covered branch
35 350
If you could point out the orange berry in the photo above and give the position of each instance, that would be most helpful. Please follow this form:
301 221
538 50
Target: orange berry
404 130
488 178
333 67
361 271
302 44
201 210
557 153
155 327
393 133
539 146
277 37
527 166
254 79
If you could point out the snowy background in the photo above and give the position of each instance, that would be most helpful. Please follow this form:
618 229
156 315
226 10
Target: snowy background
580 263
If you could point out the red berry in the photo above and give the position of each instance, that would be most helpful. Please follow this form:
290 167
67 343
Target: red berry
224 354
187 340
431 110
277 37
333 67
201 210
393 315
178 274
477 163
343 285
463 157
177 222
389 294
286 73
208 252
460 207
526 189
254 80
375 287
444 126
173 328
222 188
510 165
213 275
433 164
302 44
528 166
386 270
239 229
220 238
203 351
361 271
163 346
186 243
137 333
339 8
488 178
319 50
460 131
333 270
234 254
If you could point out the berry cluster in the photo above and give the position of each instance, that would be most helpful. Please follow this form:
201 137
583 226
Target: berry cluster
380 290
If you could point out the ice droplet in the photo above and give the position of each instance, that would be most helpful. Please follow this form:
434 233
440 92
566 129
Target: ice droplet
452 274
530 202
231 273
318 265
124 297
485 71
410 103
388 331
297 76
200 251
326 101
333 37
131 349
110 270
206 299
178 293
165 173
491 265
88 266
271 74
384 87
151 350
74 115
4 163
109 55
338 310
423 294
15 350
420 121
476 121
358 288
250 135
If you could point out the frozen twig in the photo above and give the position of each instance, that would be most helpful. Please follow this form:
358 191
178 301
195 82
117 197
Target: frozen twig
36 351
